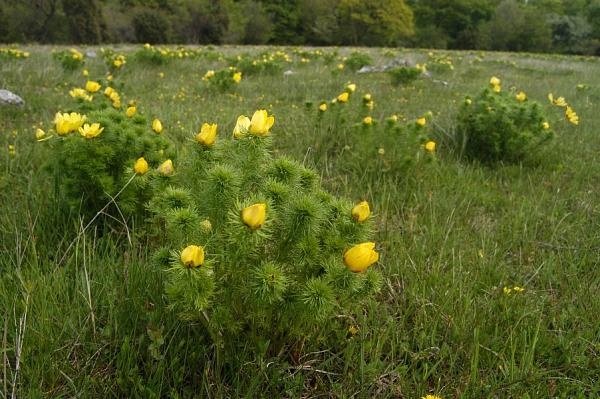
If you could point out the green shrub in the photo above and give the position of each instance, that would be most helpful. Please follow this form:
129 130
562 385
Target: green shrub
267 279
357 60
151 55
404 75
223 79
90 169
70 60
495 126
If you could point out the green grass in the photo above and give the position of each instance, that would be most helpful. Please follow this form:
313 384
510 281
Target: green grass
452 234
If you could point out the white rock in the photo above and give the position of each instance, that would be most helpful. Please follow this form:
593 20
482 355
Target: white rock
90 54
289 72
10 98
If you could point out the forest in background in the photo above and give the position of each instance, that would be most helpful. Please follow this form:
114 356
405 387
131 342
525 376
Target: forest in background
562 26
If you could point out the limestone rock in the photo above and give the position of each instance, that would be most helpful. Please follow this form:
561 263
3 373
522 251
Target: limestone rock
10 98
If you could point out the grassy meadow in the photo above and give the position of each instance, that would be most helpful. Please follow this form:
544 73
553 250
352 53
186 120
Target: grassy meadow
85 315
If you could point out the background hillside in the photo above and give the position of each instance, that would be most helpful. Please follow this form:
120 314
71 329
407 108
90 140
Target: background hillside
565 26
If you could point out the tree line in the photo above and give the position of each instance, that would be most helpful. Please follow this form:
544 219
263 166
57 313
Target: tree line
567 26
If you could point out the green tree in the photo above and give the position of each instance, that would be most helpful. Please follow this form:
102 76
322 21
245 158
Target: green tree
516 28
85 20
457 21
374 22
151 26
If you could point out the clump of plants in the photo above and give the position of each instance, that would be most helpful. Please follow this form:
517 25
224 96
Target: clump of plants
97 149
501 126
151 55
13 53
255 249
357 60
265 63
70 59
404 75
113 60
223 79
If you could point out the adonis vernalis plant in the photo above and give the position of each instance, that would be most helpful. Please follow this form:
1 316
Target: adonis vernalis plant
98 149
255 249
501 126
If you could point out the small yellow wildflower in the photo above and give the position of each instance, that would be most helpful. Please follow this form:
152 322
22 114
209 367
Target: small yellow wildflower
141 166
361 211
192 256
254 216
361 256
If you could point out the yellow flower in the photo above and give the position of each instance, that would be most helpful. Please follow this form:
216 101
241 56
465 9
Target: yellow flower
237 77
507 290
207 135
114 97
381 151
560 101
468 101
141 166
39 134
430 146
241 126
80 93
92 86
118 63
343 98
66 123
571 116
368 120
85 72
494 81
323 107
521 96
394 118
261 123
367 98
431 397
497 88
90 131
108 91
340 67
209 74
370 105
361 211
157 126
421 122
518 289
546 125
361 256
353 330
131 111
351 88
254 215
192 256
166 168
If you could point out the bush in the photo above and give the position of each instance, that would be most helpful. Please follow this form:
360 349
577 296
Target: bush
223 79
151 55
404 75
151 27
70 60
357 60
496 126
273 270
91 166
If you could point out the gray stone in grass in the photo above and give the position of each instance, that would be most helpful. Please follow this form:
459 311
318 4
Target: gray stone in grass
289 72
90 54
10 98
398 62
